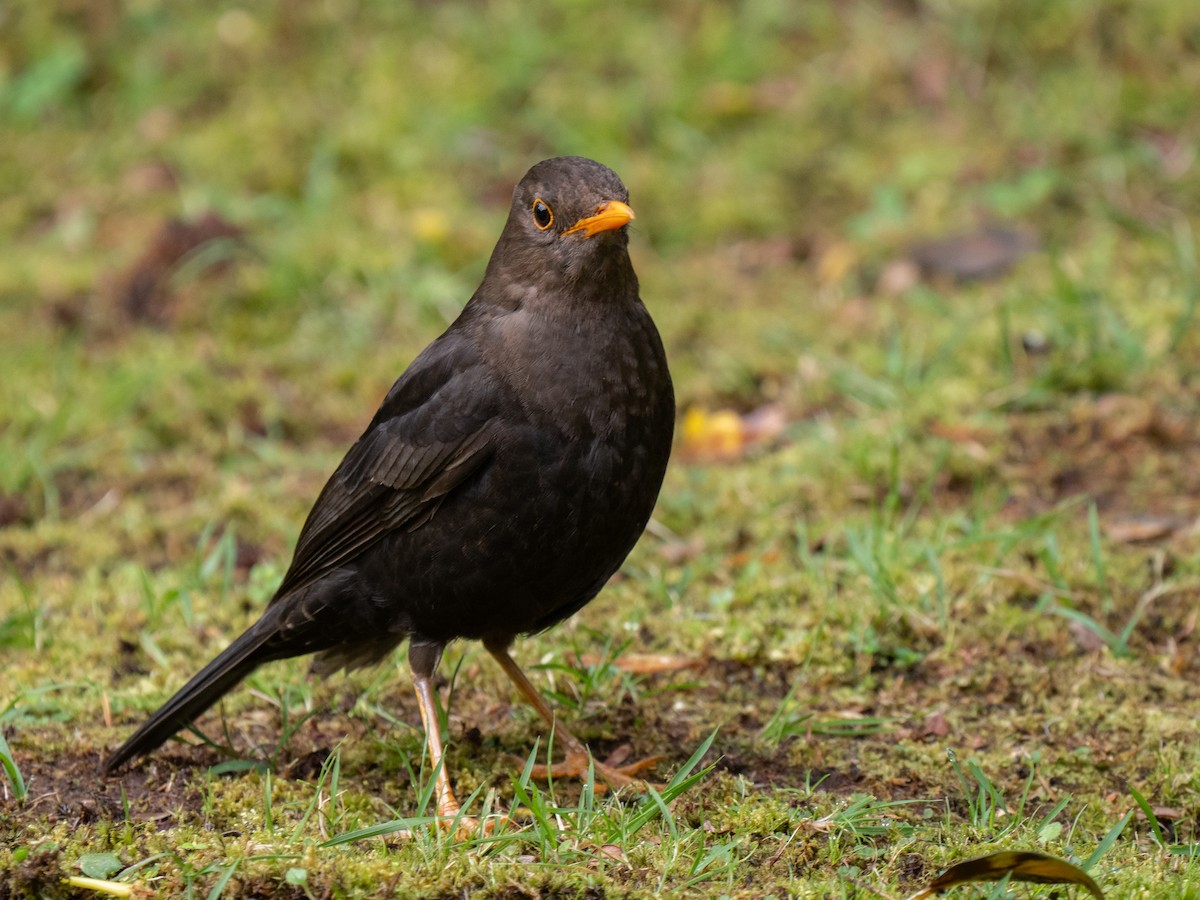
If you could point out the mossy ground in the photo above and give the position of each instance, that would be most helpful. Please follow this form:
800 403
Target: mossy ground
950 608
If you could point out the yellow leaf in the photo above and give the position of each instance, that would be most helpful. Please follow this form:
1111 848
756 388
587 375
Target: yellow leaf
1023 865
716 435
836 262
431 226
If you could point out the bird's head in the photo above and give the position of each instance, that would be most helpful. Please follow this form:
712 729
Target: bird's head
567 222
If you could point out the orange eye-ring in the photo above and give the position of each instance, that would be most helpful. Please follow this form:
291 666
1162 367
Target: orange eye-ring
543 217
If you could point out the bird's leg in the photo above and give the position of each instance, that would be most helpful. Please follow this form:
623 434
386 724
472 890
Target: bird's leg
423 660
578 758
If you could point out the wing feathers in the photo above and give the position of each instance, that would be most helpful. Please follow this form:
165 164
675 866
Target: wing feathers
432 432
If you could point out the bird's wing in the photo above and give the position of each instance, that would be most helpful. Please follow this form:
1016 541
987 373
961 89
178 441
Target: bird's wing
431 433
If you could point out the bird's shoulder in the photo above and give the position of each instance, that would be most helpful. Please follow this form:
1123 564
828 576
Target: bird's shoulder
445 399
434 429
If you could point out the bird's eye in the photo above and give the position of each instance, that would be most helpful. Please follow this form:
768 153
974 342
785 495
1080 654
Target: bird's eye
542 216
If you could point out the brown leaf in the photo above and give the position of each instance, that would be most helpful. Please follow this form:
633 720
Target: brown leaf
613 852
1181 654
931 79
150 178
681 551
764 424
1022 865
1169 813
987 253
897 277
972 441
144 289
1175 155
935 725
1088 640
1134 531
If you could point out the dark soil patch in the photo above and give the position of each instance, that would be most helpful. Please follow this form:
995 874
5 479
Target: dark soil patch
1132 456
68 787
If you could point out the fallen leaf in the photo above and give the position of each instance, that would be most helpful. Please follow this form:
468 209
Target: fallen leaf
935 725
897 277
143 290
1180 658
723 435
987 253
835 262
1134 531
673 552
1021 865
932 76
150 178
972 441
1088 640
1175 155
1162 812
613 852
712 435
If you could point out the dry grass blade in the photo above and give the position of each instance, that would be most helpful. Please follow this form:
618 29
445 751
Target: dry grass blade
108 888
644 663
1024 865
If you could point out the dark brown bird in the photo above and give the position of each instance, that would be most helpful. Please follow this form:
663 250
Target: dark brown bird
506 476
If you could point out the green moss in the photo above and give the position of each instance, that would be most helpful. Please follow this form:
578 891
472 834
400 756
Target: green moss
909 570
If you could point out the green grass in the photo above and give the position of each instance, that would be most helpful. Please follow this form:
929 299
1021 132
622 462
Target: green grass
920 627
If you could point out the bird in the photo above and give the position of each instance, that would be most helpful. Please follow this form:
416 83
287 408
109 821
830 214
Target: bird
503 480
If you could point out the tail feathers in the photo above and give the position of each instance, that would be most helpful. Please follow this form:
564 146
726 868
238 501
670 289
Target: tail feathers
209 685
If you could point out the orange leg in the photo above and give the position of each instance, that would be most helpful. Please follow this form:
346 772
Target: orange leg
422 661
578 758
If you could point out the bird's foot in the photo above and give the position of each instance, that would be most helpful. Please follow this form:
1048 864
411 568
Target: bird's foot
466 827
614 771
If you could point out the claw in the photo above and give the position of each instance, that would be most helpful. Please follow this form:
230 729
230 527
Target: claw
467 827
578 758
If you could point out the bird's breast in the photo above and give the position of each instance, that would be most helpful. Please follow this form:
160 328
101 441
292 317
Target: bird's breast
585 414
591 378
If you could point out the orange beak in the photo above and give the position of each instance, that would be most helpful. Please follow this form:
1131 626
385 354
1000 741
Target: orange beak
609 215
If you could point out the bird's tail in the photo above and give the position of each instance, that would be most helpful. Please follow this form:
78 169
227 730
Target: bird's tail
209 685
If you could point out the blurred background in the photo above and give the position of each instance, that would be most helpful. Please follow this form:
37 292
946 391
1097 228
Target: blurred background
358 158
925 270
238 222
